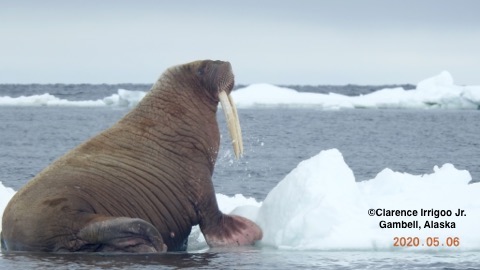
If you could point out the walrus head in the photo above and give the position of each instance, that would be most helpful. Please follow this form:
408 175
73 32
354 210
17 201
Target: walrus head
218 79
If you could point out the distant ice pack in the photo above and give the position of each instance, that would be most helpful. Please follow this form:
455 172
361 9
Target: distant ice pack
435 92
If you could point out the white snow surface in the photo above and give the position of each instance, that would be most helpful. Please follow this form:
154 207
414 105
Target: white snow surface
436 92
320 206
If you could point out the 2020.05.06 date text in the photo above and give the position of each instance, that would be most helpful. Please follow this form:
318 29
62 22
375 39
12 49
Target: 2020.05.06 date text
427 242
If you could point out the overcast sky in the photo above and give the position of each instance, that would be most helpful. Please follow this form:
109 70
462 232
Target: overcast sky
279 42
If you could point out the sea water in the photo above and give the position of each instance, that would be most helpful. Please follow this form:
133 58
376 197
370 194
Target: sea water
309 177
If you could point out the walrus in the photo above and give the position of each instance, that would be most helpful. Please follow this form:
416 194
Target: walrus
140 185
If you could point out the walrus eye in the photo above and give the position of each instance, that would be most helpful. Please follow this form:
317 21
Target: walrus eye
202 70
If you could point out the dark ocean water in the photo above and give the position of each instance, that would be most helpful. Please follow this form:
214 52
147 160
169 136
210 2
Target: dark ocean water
276 140
247 259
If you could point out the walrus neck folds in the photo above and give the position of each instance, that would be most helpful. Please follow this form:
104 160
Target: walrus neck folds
187 92
175 107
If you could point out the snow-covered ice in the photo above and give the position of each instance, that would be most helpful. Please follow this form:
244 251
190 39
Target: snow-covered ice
320 206
436 92
6 194
327 210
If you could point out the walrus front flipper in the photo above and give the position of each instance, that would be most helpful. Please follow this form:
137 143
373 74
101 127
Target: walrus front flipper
231 231
120 234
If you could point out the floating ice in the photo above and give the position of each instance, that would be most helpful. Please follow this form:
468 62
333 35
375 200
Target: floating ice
46 100
267 95
321 195
237 205
327 210
123 98
320 206
436 92
6 194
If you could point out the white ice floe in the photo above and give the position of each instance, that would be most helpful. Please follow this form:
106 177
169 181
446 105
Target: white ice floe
123 98
6 194
435 92
320 206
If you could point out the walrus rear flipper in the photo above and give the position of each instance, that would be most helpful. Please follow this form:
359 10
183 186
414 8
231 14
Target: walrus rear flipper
120 234
231 231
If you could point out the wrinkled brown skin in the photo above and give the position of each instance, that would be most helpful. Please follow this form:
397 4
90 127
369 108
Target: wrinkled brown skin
140 185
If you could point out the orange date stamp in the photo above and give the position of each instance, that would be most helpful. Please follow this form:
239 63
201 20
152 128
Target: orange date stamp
426 242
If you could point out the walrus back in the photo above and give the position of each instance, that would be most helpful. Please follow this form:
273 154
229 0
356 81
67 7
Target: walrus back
101 176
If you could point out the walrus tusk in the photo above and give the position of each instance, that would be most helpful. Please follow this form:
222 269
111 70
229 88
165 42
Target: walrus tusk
237 123
233 123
